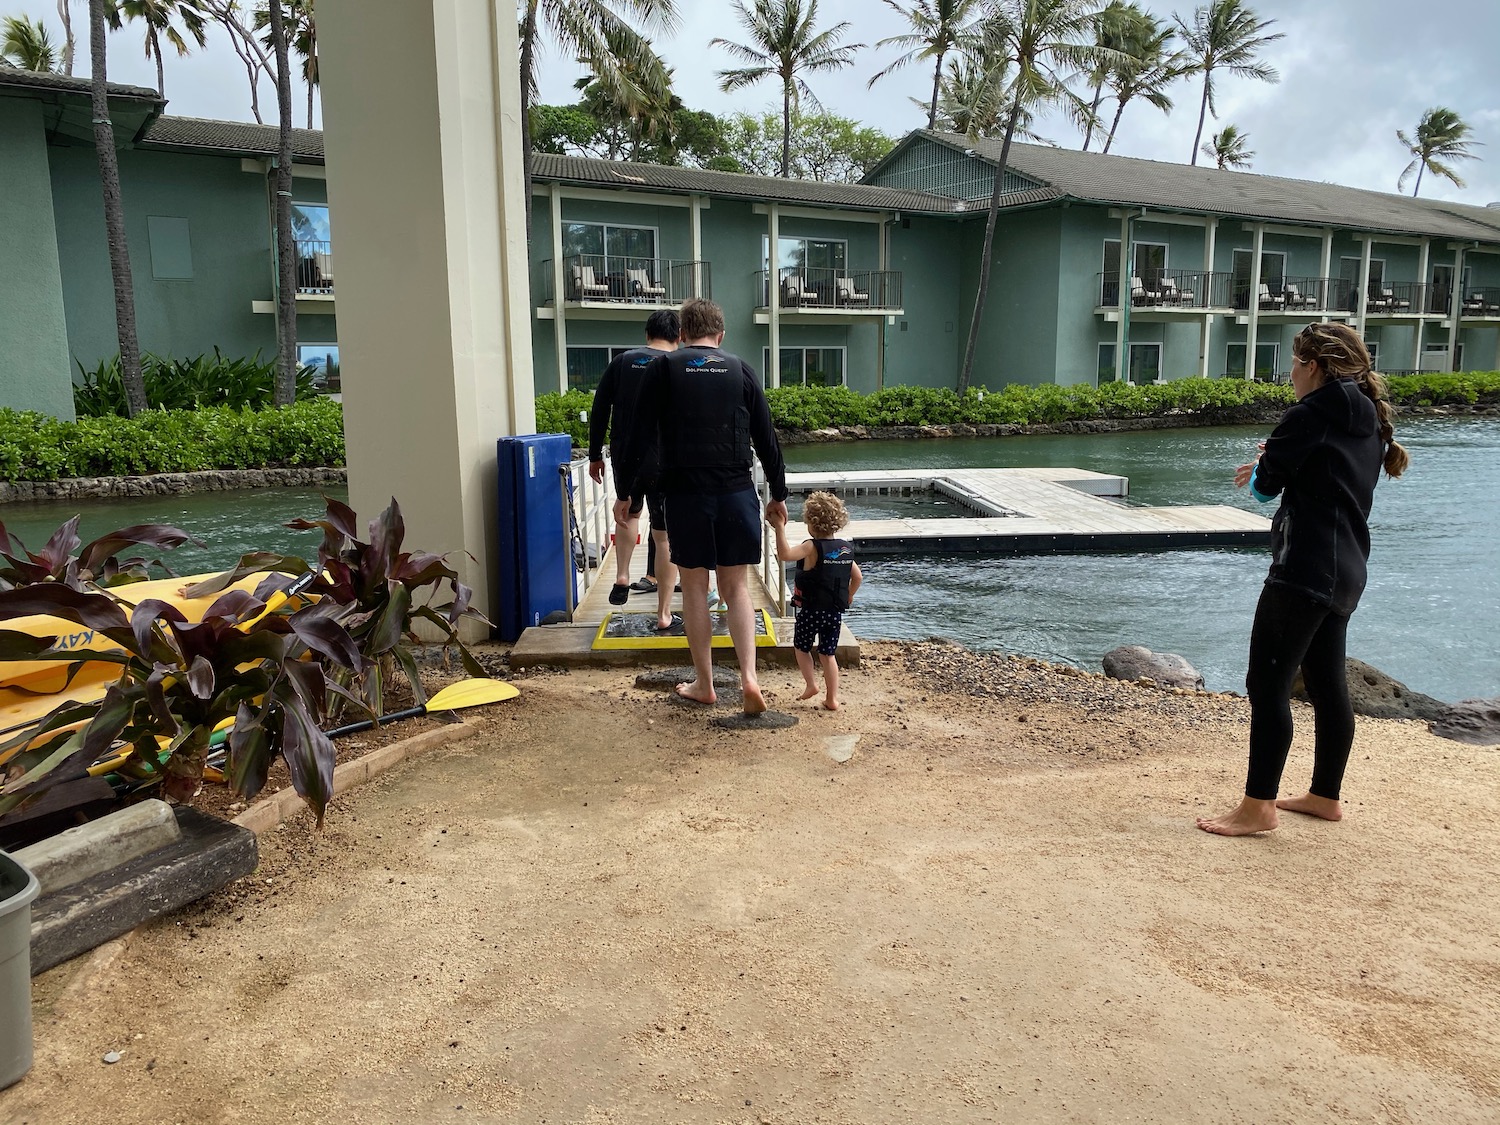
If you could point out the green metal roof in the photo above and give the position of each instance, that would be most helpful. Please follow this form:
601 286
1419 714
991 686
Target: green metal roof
231 138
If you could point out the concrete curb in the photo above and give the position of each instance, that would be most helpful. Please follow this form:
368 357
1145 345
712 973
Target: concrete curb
267 814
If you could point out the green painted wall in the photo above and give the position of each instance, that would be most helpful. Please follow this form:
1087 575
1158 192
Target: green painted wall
1017 340
924 345
229 230
34 367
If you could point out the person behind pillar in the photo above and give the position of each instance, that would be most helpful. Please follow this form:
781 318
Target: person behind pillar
706 410
613 411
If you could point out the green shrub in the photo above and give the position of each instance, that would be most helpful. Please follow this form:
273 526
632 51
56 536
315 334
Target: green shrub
185 384
565 414
37 447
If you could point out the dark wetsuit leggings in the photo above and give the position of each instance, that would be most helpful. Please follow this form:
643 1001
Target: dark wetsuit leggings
1291 631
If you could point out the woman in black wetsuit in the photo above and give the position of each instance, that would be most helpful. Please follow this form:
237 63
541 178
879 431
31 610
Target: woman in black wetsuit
1323 460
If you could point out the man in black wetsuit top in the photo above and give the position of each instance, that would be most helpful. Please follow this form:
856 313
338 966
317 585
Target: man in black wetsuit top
616 396
706 411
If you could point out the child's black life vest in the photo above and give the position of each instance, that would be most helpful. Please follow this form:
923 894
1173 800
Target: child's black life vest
826 585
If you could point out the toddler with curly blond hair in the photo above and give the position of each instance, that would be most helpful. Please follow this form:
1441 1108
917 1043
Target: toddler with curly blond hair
827 578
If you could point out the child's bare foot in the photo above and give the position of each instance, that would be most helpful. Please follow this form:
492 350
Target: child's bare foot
698 693
1247 818
808 692
755 702
1313 805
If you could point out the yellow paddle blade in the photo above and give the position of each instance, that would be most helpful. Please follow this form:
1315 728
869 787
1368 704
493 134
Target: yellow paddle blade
472 693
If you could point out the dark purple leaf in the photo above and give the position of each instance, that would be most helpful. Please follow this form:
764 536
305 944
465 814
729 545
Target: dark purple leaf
391 625
143 620
94 556
253 563
309 755
93 611
249 753
200 678
327 638
59 550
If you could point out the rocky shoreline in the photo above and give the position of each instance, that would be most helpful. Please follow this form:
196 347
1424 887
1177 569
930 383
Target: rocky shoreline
165 484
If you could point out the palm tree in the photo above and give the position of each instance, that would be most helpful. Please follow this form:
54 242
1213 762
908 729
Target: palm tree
1145 69
937 28
158 16
589 30
1442 136
1112 30
286 243
638 110
1225 35
302 37
1228 150
785 46
1044 39
64 9
114 215
26 44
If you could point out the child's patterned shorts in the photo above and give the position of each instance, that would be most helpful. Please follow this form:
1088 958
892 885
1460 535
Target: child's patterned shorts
818 627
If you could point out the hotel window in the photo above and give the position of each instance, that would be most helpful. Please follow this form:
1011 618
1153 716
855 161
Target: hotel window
1145 363
586 364
1149 263
806 367
609 248
1266 361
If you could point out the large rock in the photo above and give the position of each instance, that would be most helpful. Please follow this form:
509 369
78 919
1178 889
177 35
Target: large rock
1378 696
1136 662
1475 721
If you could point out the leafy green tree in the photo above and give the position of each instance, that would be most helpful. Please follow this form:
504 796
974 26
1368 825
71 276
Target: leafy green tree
938 28
1145 67
25 43
1442 137
637 110
1046 41
785 45
1225 35
592 31
114 212
1229 148
161 18
302 37
823 146
562 129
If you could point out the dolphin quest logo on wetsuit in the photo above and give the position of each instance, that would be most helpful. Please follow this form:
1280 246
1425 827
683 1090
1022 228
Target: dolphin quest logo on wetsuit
703 361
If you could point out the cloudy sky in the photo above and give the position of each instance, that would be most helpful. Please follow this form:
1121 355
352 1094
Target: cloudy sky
1352 73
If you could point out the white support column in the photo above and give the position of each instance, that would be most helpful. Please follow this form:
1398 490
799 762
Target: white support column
1457 308
1252 332
1324 265
1364 285
1416 347
559 293
886 225
773 290
434 301
1210 232
1122 362
695 222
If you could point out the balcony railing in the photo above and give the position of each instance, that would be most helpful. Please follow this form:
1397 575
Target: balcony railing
852 290
314 266
616 279
1167 289
1484 301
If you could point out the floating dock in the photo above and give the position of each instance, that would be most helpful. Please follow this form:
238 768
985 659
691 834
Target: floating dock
1011 512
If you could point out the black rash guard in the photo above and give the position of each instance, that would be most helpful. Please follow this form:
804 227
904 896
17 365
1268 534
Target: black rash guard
1323 459
703 410
614 405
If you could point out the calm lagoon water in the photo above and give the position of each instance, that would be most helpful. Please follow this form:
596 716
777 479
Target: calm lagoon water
1431 615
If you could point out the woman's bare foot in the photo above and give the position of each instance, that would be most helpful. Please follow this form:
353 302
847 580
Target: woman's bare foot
808 692
755 702
695 693
829 704
1313 805
1246 819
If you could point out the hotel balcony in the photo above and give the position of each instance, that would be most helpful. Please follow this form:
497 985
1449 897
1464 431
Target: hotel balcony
824 294
607 286
314 280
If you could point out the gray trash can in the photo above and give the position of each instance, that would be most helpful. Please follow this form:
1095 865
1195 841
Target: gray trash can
17 888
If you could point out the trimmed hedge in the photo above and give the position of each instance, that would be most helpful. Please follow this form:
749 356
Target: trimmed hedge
801 409
37 447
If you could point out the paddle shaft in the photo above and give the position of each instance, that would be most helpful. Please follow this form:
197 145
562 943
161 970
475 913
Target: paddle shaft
369 724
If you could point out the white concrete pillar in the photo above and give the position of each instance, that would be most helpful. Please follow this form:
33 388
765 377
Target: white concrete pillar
773 290
695 224
1457 307
1364 286
1122 325
559 284
422 119
1324 265
1252 332
1210 233
1422 283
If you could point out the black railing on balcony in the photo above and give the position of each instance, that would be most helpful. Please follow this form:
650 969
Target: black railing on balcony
853 290
1167 289
314 266
616 279
1483 301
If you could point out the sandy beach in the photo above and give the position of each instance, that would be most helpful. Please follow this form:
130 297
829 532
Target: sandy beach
600 908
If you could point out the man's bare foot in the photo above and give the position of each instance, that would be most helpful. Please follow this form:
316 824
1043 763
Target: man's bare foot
696 693
1246 819
829 704
755 702
1313 805
810 691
